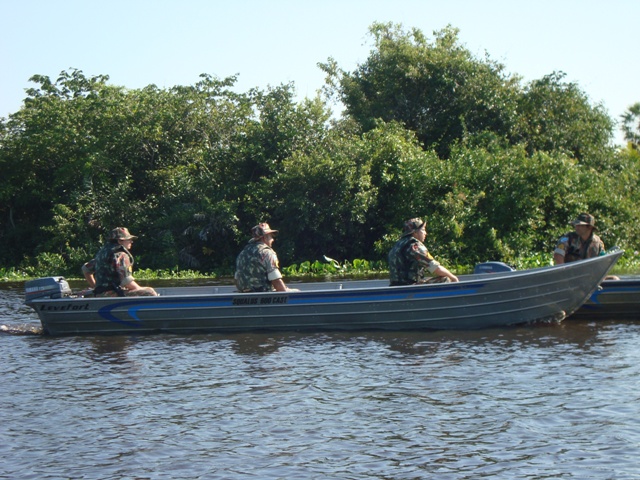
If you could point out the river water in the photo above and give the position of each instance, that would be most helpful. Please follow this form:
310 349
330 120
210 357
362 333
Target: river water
531 402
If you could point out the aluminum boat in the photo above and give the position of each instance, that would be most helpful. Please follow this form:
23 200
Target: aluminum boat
477 301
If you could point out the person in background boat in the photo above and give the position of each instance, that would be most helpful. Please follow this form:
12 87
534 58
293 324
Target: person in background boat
111 271
580 244
257 266
409 258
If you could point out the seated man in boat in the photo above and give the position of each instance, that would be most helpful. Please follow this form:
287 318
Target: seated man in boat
409 258
113 268
257 266
580 244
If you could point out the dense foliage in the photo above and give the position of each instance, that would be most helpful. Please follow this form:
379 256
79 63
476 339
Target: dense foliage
496 166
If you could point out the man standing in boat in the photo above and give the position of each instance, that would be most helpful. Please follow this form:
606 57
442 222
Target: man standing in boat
580 244
113 268
409 258
257 266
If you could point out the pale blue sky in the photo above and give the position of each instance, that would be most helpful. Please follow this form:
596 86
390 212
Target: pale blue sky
269 42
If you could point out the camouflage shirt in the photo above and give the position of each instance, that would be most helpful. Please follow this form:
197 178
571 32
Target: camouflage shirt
407 261
572 247
113 267
256 267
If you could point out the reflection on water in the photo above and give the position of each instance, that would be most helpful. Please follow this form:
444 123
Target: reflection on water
545 401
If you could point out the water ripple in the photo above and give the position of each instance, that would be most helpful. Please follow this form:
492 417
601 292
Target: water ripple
521 403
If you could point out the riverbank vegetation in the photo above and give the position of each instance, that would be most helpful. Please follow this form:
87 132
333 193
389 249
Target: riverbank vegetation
496 165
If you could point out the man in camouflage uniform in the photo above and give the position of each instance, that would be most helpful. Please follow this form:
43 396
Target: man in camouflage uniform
581 244
257 266
113 268
409 258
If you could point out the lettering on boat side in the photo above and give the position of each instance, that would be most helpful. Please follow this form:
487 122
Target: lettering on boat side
64 308
281 299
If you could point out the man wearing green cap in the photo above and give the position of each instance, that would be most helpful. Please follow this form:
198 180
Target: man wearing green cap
580 244
409 258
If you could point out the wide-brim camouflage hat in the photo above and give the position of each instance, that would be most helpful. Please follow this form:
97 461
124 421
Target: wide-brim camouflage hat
261 230
412 225
121 233
585 219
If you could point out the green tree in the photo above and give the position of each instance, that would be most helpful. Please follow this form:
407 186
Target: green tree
325 196
557 116
437 89
102 156
446 95
631 124
43 148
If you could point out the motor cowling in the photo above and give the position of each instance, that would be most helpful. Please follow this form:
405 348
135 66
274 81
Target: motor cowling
492 267
48 287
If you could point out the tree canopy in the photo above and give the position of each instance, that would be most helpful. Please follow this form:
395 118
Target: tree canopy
498 168
442 92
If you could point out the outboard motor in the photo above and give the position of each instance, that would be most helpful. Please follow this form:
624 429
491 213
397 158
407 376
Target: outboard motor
48 287
493 267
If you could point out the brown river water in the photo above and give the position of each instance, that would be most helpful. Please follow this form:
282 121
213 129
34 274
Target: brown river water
530 402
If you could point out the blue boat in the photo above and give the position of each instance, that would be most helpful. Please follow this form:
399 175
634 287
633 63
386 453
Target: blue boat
613 300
